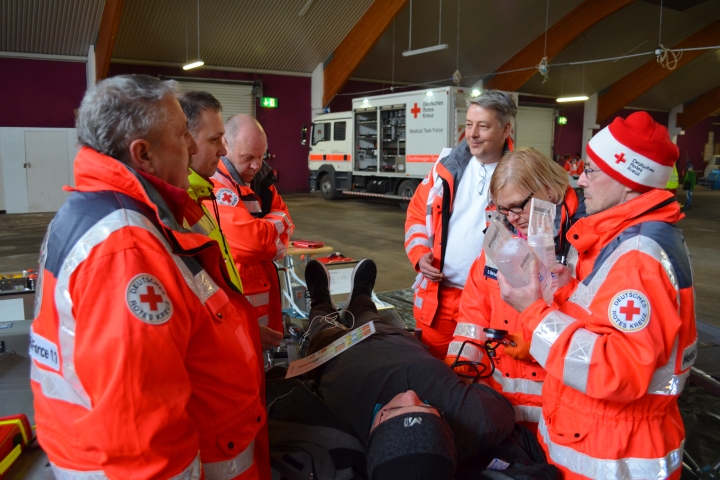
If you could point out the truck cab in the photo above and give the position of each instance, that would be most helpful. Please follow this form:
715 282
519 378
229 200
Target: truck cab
330 158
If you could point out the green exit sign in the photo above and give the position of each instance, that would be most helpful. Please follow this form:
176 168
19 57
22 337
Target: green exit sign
562 120
268 102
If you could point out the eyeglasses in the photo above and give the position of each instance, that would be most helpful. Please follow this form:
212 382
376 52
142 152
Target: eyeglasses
588 171
517 209
390 409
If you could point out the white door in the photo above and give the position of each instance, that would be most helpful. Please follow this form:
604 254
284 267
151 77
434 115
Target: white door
535 128
47 166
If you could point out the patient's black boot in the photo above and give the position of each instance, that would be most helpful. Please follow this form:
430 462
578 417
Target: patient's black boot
363 280
317 279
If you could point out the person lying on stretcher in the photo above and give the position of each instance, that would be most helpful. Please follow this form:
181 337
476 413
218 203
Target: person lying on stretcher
416 418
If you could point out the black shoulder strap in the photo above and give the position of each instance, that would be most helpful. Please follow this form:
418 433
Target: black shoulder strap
233 172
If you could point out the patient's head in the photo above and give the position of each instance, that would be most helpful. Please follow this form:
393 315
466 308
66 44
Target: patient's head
410 440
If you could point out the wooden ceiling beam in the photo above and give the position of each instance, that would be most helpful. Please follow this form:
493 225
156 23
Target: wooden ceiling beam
695 111
642 79
357 44
107 34
559 36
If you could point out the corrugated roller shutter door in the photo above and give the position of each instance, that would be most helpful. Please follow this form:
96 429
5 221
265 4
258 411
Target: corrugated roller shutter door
235 98
534 128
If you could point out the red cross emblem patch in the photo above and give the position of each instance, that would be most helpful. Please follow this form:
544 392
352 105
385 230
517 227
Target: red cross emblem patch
225 196
629 311
147 299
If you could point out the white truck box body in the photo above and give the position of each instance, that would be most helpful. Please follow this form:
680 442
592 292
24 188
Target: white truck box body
388 143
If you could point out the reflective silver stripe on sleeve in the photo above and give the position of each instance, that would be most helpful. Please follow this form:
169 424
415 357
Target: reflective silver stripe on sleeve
470 330
527 413
415 242
206 286
470 351
284 216
67 474
229 469
279 225
258 299
280 249
577 359
264 320
664 381
418 302
547 333
517 385
621 469
416 229
252 205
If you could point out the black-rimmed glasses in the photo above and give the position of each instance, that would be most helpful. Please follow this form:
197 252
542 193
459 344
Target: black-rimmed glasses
588 171
518 209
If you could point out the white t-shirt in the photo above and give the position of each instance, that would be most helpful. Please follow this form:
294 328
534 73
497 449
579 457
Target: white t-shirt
468 220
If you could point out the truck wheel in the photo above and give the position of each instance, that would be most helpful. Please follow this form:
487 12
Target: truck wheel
327 188
407 188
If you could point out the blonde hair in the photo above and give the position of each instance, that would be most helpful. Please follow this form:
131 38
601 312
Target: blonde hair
531 170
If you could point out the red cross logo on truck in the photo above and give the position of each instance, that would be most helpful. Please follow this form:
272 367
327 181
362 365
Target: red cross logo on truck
415 110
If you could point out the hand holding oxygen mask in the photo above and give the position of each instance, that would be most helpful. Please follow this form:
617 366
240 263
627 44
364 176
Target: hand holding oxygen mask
514 256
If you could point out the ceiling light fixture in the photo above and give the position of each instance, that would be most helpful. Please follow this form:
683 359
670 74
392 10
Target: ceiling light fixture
579 98
429 93
410 52
476 93
198 62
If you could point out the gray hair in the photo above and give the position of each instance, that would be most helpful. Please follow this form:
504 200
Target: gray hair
501 102
194 103
120 110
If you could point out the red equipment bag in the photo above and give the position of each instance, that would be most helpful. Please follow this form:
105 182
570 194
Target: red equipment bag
15 436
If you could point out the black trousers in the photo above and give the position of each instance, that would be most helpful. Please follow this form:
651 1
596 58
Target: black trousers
322 333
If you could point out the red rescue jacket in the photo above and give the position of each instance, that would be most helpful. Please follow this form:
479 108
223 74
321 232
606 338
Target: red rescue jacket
258 230
481 306
618 351
144 359
427 221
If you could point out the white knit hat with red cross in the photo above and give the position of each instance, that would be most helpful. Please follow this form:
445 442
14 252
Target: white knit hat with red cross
635 151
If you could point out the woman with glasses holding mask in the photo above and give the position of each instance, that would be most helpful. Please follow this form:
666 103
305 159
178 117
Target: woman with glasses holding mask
519 177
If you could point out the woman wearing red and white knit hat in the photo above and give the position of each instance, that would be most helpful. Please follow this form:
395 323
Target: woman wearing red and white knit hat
618 351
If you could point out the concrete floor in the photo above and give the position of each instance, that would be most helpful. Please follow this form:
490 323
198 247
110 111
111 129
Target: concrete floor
361 228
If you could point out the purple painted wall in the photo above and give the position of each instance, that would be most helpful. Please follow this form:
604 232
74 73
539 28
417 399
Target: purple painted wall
568 137
692 144
282 125
40 93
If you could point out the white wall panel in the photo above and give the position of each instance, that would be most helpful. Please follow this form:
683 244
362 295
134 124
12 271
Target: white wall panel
61 143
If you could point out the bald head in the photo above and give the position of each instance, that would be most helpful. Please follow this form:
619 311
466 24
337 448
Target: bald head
246 144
